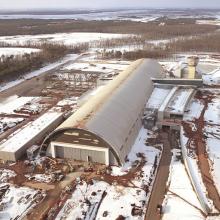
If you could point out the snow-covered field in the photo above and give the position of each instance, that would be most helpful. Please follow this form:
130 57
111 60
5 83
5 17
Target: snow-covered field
109 201
138 15
210 22
125 48
66 38
8 51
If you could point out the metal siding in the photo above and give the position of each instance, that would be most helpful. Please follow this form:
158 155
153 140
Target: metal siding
96 156
117 107
80 154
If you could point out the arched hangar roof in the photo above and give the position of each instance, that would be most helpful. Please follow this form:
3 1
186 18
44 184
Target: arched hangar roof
112 113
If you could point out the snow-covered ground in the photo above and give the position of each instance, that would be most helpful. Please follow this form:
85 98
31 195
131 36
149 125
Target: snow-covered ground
212 130
22 106
43 178
172 66
8 51
193 110
70 57
72 101
212 133
7 123
138 15
5 175
9 105
210 22
209 65
98 66
191 163
66 38
212 78
16 201
125 48
181 202
116 199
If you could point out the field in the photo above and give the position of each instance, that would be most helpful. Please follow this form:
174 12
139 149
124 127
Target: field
151 30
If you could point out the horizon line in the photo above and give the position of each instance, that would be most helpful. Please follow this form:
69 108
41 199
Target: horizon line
105 8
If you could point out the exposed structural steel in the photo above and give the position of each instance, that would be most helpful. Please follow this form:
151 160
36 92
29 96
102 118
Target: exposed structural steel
105 127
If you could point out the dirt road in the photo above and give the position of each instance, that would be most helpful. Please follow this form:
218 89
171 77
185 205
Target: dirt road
51 199
33 86
159 187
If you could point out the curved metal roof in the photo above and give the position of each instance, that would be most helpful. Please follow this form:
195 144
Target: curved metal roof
112 113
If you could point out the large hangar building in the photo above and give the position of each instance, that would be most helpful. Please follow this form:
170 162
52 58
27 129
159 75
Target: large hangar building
104 129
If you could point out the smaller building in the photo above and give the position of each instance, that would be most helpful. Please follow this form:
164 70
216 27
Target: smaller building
149 119
14 148
192 64
188 69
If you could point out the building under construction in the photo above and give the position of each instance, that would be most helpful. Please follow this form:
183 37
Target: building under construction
104 129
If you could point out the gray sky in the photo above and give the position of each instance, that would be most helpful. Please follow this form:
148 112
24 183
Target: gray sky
71 4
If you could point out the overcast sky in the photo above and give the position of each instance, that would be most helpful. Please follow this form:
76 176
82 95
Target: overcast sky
71 4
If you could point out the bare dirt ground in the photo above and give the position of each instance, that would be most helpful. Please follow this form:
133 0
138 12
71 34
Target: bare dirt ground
52 198
159 187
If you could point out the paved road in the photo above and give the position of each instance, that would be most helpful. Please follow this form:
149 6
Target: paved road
159 188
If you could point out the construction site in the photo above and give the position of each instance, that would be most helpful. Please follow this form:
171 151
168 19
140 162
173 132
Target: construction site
89 133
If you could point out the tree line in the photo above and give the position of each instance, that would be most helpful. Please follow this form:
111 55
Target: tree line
13 67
